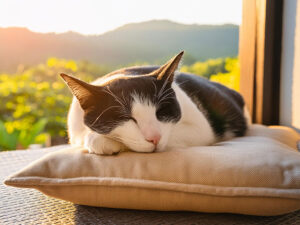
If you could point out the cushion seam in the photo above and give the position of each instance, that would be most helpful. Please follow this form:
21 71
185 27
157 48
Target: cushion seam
170 186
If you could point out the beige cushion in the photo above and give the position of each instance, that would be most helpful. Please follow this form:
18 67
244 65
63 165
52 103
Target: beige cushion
255 175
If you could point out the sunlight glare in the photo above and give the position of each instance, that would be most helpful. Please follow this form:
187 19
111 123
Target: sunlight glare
96 17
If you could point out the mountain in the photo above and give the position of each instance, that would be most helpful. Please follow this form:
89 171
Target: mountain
151 41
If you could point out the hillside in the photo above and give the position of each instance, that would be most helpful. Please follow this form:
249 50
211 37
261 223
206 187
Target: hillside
152 41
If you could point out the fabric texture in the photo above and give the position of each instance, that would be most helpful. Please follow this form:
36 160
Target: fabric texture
258 174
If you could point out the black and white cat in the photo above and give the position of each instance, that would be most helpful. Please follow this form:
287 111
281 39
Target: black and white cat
147 109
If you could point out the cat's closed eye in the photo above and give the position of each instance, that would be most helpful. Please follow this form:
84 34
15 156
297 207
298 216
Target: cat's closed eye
133 119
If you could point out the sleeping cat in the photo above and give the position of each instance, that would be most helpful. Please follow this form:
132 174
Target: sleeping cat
147 109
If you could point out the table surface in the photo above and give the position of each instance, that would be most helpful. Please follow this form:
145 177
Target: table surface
29 206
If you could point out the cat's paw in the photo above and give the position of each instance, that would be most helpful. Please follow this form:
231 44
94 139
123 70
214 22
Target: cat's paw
98 144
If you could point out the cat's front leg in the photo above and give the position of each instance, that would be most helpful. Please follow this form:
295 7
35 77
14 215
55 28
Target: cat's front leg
99 144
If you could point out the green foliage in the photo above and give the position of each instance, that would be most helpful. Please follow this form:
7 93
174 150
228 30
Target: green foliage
35 101
27 137
223 70
8 140
24 137
207 68
231 78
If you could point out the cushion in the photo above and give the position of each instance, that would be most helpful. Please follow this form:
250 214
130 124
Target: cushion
258 174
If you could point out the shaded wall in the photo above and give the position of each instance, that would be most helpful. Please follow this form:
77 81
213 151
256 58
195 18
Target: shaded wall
290 66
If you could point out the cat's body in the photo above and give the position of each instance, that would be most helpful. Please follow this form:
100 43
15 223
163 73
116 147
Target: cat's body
148 109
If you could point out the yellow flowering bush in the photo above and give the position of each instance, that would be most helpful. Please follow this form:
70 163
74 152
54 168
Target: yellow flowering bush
29 109
231 78
225 71
35 102
206 68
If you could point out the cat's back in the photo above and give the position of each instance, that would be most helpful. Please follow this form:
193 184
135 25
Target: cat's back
223 107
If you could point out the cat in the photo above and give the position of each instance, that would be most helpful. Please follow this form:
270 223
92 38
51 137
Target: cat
150 108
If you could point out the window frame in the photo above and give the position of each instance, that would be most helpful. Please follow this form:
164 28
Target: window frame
260 57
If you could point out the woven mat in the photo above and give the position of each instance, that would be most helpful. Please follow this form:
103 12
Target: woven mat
28 206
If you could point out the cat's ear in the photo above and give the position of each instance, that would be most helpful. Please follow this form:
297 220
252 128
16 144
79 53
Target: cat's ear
167 71
84 92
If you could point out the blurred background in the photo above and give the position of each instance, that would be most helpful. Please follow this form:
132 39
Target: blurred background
87 39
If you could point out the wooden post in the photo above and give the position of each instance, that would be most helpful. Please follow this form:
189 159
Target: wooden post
247 51
260 56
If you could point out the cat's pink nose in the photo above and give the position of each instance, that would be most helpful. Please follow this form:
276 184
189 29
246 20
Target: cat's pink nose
154 139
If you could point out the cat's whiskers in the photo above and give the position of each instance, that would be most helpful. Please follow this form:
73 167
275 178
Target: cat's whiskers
167 96
155 88
164 92
183 82
124 101
166 102
102 114
167 92
108 91
163 87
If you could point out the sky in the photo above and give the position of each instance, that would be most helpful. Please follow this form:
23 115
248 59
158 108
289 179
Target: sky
99 16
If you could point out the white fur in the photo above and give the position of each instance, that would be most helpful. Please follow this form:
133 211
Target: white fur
193 129
76 128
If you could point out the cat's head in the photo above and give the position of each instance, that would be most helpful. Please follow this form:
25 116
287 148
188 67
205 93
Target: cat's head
137 110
